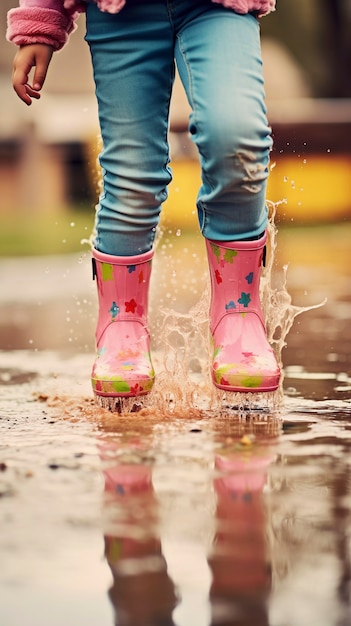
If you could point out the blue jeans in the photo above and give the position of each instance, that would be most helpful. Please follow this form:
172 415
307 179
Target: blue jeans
218 56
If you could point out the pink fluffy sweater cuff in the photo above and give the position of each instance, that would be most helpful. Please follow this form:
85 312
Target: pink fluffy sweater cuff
39 25
260 7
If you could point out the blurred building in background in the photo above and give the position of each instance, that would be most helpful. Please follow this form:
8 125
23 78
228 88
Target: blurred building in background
48 151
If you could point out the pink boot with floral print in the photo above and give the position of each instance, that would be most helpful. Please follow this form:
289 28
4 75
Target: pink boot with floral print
123 366
243 360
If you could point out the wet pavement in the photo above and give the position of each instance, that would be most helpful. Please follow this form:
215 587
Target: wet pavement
196 510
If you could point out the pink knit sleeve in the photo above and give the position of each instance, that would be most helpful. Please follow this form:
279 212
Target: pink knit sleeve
57 5
40 21
260 7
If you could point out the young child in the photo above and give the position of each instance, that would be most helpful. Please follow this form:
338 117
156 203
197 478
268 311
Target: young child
134 46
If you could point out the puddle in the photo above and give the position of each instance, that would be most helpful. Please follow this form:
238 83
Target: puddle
182 517
237 519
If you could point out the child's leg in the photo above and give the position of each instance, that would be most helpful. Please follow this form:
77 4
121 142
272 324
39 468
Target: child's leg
133 62
219 61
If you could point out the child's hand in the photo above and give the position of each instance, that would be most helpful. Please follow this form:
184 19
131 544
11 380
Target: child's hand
36 56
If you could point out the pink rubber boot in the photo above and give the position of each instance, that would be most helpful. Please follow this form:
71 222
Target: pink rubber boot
123 366
243 360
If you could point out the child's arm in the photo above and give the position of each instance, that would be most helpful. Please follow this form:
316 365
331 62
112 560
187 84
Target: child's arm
39 27
36 56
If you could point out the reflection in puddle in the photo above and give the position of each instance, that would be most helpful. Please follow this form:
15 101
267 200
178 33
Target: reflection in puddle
206 519
142 591
239 558
186 523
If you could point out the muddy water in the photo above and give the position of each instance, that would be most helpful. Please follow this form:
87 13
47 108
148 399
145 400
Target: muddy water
177 514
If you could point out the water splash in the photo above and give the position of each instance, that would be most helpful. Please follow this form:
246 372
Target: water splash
181 346
183 379
279 312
